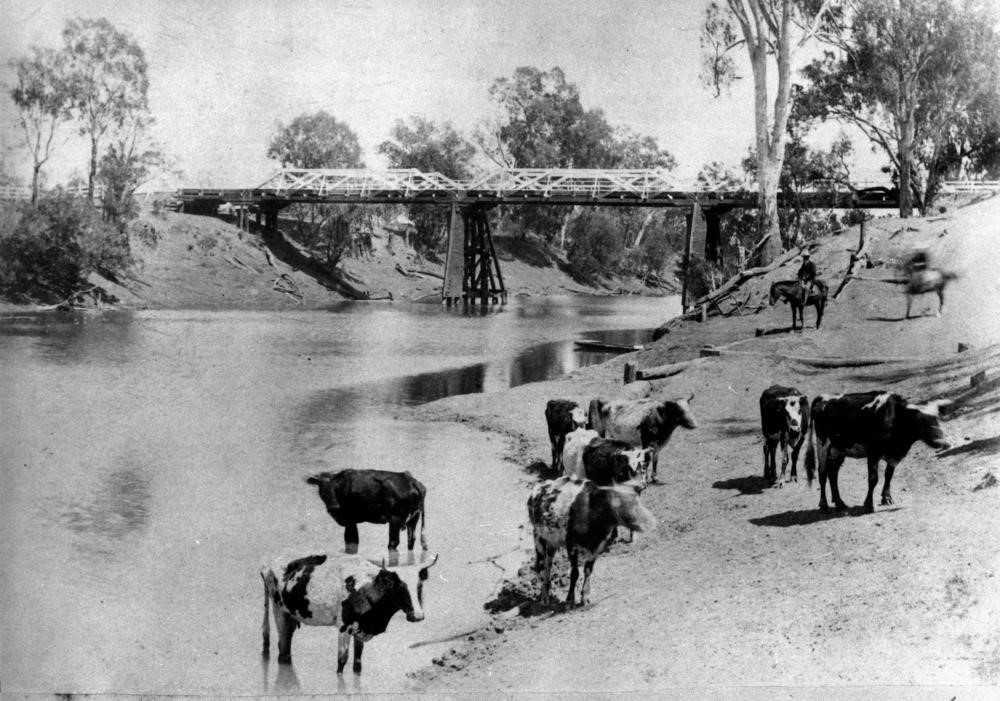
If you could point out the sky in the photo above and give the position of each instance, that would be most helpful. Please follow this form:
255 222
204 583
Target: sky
224 74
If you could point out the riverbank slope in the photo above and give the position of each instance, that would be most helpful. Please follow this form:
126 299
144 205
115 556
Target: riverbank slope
745 590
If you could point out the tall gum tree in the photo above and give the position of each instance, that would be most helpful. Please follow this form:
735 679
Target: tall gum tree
107 73
43 101
772 32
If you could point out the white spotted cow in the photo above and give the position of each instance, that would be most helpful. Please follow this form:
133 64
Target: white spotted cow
872 425
581 517
562 417
784 419
644 423
347 591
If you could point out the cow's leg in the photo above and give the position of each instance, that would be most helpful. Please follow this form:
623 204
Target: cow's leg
890 467
574 575
872 481
768 459
411 531
539 554
940 294
557 450
588 568
833 465
343 647
286 625
784 460
795 458
351 538
547 573
395 526
909 303
265 628
653 462
821 459
359 647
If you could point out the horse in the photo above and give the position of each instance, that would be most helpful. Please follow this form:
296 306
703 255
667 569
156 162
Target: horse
791 291
929 280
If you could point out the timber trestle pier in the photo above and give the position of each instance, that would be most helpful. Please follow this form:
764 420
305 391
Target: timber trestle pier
472 269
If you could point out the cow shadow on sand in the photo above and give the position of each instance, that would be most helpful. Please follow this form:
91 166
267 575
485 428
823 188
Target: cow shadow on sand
886 318
751 484
807 517
542 470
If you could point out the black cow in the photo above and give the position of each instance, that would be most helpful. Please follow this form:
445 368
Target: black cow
373 496
347 591
562 416
784 419
875 425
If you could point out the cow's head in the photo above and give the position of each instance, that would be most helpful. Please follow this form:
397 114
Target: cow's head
677 413
400 587
627 509
578 417
632 467
928 419
792 408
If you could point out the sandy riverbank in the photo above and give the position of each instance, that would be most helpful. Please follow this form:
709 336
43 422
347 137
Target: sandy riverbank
744 590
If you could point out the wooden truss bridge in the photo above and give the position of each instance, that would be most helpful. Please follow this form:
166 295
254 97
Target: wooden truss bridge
472 270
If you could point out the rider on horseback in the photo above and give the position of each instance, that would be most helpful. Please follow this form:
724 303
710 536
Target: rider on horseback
806 276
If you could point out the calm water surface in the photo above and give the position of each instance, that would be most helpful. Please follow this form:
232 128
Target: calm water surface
152 461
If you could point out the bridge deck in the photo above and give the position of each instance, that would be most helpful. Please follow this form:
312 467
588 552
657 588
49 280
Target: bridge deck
630 188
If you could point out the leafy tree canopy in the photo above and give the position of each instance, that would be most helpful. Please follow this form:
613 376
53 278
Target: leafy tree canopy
428 147
315 141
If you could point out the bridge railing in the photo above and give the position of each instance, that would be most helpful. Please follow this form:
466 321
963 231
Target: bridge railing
349 182
23 192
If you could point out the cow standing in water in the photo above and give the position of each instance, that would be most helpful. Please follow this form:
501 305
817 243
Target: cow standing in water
373 496
347 591
643 423
784 419
562 416
581 517
872 425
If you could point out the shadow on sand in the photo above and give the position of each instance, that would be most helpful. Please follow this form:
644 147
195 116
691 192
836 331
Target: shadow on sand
886 318
751 484
811 516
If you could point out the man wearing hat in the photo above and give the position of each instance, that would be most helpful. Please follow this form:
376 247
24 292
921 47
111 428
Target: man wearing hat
806 275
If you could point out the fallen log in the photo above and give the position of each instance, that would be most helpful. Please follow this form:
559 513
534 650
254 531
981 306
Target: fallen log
660 372
855 257
415 272
737 280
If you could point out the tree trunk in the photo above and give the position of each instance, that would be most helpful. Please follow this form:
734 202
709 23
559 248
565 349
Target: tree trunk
906 128
642 229
34 183
93 169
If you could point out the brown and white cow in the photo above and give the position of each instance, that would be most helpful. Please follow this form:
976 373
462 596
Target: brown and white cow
644 423
872 425
347 591
562 417
373 496
581 517
784 419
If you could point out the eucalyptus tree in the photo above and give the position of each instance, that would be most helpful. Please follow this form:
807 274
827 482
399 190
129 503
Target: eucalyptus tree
43 98
107 73
920 78
317 140
772 32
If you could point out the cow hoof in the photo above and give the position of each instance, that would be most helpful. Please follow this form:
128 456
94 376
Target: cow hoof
357 669
886 500
824 509
840 506
284 659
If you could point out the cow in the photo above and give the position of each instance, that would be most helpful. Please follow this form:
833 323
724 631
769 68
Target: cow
582 517
644 423
605 461
562 417
373 496
784 419
873 425
347 591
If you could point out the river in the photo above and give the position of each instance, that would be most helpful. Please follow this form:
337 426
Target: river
152 461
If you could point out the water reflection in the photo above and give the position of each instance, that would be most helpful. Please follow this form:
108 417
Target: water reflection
72 337
119 506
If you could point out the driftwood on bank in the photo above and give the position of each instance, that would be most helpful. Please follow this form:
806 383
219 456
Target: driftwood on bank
659 372
856 256
416 272
737 280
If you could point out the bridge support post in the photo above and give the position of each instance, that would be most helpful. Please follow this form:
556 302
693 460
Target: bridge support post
472 258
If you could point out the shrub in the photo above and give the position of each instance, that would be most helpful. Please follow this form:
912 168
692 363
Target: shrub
47 251
596 248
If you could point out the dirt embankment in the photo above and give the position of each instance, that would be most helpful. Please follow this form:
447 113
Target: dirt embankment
188 261
745 590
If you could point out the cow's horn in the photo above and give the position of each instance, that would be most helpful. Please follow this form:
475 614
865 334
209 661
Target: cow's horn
431 564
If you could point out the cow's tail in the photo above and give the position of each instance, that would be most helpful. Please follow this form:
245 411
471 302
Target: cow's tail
811 454
423 525
270 586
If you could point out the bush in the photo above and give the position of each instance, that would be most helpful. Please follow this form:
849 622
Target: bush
596 248
47 251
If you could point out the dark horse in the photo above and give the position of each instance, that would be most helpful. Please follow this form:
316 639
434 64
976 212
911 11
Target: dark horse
923 281
791 292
